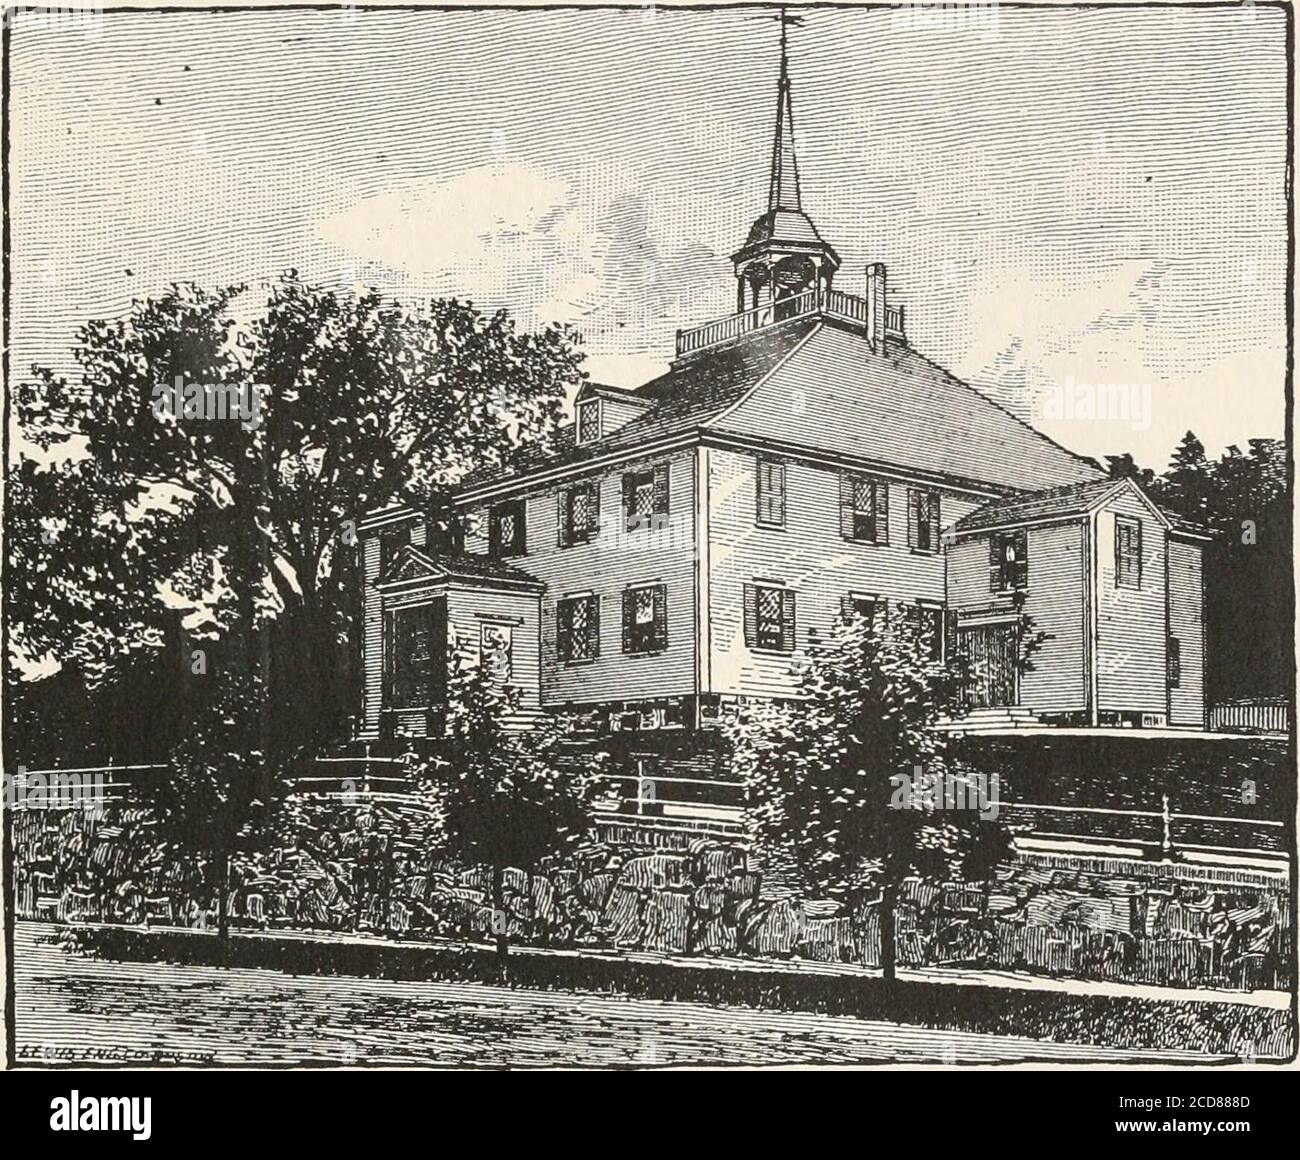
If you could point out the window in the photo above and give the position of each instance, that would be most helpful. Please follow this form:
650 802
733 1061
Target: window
645 619
392 540
930 619
864 509
588 421
1008 561
1175 662
507 529
771 492
645 497
578 628
922 519
865 606
495 650
1128 553
579 514
769 618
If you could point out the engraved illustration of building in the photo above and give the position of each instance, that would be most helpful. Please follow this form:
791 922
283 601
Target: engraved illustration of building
799 457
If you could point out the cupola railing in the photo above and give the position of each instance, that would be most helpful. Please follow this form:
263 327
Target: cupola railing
814 302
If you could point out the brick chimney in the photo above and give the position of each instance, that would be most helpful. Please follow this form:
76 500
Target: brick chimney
876 306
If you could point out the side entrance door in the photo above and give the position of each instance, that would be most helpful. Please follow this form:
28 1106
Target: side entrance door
990 650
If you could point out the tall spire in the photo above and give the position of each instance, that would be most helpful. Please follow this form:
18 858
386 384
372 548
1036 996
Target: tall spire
783 189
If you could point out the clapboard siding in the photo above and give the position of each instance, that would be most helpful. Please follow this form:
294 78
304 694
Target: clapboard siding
808 555
373 643
615 560
1054 602
373 619
1186 624
1131 625
468 609
1055 605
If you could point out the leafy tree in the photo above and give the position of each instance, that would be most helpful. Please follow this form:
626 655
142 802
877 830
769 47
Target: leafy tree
249 522
506 800
214 798
1124 467
827 772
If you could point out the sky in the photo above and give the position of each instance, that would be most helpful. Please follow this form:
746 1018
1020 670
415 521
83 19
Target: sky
1063 199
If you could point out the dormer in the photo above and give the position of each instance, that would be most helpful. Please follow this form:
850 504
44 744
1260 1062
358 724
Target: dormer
601 410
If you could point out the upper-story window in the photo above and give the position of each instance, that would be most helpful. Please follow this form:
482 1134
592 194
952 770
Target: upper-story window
588 421
579 513
1008 561
645 618
577 636
864 509
645 497
392 539
1128 552
769 618
922 519
507 531
770 492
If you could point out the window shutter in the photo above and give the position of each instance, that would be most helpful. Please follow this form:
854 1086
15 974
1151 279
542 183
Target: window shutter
787 621
562 517
846 505
661 615
628 492
914 500
881 497
933 545
778 479
595 510
661 489
751 616
847 611
629 615
995 564
593 626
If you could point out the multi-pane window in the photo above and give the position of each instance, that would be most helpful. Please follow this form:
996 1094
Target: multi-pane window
771 492
864 509
1008 561
507 533
645 618
923 519
495 649
769 618
1175 662
645 497
579 513
1128 553
589 421
578 628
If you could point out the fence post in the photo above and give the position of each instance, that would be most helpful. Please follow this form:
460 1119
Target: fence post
1166 845
365 771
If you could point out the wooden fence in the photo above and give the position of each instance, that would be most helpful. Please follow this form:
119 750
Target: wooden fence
1271 716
